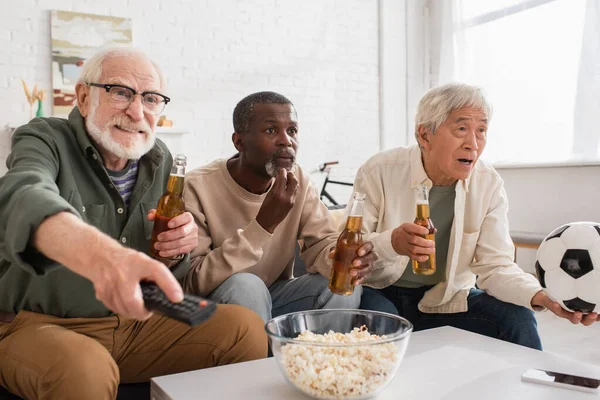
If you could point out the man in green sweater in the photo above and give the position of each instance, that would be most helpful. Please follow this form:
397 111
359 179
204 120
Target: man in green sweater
252 209
76 211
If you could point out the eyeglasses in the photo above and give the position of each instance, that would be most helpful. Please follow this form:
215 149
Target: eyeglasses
122 96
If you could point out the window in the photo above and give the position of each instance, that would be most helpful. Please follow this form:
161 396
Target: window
538 62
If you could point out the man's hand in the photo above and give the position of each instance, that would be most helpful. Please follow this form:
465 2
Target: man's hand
181 238
543 300
117 283
363 264
115 271
407 240
279 201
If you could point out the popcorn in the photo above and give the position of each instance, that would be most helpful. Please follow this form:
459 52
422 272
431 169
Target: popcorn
340 372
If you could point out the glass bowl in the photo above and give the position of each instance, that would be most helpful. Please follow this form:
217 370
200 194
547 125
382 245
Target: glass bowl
337 366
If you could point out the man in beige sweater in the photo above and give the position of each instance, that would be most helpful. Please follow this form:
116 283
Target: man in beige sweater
469 209
251 210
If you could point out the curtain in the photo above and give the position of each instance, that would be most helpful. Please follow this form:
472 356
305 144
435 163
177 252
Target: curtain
543 77
586 121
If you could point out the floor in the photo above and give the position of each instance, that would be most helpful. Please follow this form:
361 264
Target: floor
560 337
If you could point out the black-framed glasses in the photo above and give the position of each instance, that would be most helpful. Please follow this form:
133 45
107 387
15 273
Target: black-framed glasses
121 97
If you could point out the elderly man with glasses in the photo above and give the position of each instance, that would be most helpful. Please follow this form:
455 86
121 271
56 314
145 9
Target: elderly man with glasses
76 211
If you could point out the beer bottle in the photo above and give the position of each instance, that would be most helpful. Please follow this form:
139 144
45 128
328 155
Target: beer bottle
171 203
346 250
423 219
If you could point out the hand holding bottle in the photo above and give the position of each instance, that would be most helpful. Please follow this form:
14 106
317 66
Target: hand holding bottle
423 218
350 241
362 265
408 240
170 206
180 238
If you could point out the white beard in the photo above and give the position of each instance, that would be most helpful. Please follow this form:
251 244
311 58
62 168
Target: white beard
270 165
103 137
272 170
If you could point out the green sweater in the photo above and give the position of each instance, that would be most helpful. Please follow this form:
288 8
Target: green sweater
53 167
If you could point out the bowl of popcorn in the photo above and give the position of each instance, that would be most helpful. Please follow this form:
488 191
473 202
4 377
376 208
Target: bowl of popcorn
339 354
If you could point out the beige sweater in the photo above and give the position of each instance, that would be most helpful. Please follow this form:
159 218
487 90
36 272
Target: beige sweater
231 241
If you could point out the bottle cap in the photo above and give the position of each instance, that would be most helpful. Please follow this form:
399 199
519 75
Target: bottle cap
359 196
180 159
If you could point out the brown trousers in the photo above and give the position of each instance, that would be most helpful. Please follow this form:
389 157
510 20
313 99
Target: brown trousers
45 357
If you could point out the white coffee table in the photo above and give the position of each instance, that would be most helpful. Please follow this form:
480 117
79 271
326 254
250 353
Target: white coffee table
443 363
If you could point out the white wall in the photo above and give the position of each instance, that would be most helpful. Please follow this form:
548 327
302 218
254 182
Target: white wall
322 54
335 59
4 149
542 199
392 72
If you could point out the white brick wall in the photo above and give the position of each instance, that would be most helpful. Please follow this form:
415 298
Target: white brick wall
322 54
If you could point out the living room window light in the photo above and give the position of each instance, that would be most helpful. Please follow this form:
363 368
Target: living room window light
539 64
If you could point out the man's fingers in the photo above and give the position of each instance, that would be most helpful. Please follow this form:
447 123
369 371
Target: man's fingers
187 229
177 251
362 271
420 241
151 214
359 281
589 319
559 311
180 220
421 250
292 183
133 304
184 248
367 247
415 229
574 320
131 307
280 181
576 317
144 313
370 258
180 243
418 257
180 232
167 282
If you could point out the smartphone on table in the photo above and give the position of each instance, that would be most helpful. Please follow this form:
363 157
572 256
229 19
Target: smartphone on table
559 379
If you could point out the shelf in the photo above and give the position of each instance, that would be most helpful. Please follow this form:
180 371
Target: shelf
554 164
162 130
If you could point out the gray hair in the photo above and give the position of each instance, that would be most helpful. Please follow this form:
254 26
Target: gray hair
438 103
92 68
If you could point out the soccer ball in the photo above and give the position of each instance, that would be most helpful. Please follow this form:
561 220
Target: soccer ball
568 266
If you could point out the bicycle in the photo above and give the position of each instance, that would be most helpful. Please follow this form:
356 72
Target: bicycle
326 168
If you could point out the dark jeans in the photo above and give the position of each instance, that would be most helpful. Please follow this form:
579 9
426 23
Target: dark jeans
486 315
374 300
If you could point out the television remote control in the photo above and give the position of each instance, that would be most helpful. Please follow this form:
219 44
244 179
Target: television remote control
192 310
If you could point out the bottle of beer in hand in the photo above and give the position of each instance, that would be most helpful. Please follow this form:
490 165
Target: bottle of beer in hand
171 203
346 250
423 219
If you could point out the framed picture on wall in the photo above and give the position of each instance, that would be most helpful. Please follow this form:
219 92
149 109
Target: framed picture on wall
75 37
